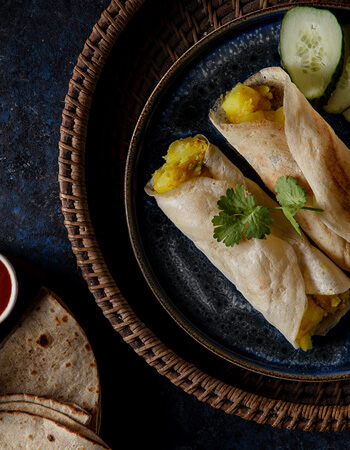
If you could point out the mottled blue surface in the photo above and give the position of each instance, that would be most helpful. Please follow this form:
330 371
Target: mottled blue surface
40 42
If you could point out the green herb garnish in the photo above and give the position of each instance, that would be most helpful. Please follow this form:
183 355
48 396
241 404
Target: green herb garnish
291 197
239 215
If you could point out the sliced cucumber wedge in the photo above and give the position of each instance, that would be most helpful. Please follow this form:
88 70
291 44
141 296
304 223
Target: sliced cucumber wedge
346 114
339 100
311 48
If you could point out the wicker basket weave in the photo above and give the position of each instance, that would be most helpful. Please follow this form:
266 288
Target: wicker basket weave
148 37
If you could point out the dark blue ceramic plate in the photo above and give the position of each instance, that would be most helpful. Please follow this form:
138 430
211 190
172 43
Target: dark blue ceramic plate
194 292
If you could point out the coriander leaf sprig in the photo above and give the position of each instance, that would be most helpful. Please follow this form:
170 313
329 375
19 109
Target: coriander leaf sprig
292 198
239 215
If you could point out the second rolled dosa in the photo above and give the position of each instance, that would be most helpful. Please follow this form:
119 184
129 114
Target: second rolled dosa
304 147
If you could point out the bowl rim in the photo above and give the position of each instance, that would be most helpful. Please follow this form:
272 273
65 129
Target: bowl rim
14 288
129 207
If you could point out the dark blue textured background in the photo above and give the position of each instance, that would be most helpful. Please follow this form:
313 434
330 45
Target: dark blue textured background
39 45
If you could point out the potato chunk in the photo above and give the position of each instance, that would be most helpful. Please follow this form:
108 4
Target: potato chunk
318 307
183 162
251 104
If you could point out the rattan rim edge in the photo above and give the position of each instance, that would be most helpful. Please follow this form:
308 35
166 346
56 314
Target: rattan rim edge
101 284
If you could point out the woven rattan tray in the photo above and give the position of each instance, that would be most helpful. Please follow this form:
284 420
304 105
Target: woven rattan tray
102 106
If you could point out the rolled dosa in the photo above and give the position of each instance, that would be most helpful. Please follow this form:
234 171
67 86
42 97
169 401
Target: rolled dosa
306 148
275 274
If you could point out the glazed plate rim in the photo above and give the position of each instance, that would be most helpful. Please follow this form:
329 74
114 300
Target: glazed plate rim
136 141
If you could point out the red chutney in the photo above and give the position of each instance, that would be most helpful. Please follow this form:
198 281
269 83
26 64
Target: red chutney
5 287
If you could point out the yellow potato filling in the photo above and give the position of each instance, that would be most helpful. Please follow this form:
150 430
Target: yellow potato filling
183 161
318 307
251 104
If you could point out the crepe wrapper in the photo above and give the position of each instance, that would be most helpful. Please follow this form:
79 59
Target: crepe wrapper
306 148
273 274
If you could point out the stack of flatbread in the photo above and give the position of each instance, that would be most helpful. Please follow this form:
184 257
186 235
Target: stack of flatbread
49 383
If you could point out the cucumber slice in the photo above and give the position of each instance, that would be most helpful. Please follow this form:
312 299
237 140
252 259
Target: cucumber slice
346 114
311 48
339 100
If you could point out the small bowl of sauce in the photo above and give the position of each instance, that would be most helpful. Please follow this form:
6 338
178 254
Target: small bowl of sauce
8 288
